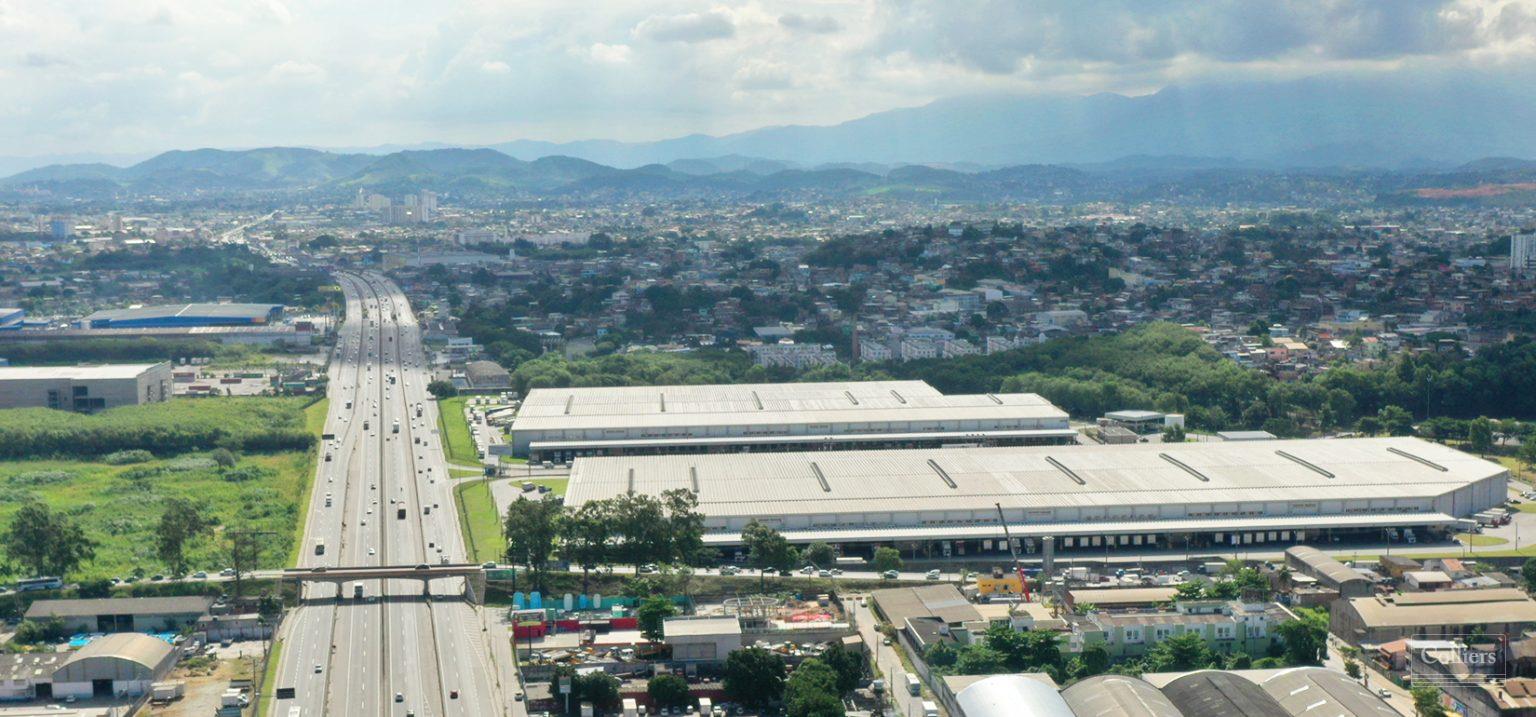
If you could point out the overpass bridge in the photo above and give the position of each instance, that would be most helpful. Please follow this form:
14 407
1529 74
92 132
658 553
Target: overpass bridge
472 573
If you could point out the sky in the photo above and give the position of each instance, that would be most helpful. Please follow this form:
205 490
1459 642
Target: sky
109 76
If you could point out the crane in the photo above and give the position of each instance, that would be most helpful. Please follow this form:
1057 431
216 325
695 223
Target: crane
1017 566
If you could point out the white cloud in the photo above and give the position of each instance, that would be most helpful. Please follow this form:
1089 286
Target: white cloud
610 54
132 77
688 27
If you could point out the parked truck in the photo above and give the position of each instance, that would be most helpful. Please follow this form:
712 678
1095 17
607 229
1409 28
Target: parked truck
913 685
930 709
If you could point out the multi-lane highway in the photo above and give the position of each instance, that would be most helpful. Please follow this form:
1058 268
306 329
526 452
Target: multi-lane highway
383 496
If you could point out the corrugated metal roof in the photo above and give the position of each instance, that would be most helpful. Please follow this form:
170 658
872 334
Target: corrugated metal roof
143 650
175 605
1323 564
553 409
1012 696
957 436
1026 478
1118 696
75 373
1319 692
1221 694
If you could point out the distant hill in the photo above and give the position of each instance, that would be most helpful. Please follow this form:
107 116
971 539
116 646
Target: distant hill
489 175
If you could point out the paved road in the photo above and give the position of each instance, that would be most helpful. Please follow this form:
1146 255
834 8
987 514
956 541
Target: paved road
350 657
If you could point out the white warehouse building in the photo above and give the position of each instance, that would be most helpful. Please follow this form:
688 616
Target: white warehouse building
84 388
562 423
1170 496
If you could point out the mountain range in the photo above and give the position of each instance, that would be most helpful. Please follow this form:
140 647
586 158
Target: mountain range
1367 137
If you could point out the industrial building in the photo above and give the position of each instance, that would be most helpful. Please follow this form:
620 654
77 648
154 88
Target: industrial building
184 315
11 318
1157 496
1288 692
123 664
1329 572
84 388
563 423
1210 693
1442 615
147 614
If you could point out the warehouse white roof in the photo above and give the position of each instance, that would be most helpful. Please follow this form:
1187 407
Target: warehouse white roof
106 371
818 483
547 409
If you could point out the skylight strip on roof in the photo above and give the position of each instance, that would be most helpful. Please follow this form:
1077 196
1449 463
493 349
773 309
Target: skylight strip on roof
693 475
1412 457
631 481
851 398
569 399
1068 471
1303 462
995 399
821 477
942 473
757 400
1185 466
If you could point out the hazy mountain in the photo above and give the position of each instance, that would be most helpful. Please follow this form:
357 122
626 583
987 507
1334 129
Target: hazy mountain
1319 121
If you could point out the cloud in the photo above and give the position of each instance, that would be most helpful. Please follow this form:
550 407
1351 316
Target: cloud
609 54
295 71
495 67
689 27
1042 36
757 75
42 60
818 25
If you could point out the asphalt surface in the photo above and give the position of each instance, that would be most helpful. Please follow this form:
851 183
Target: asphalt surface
351 657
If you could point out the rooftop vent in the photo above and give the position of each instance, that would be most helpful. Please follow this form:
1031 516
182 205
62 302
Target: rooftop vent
568 401
899 399
821 477
1302 462
1412 457
942 473
1068 471
693 477
757 400
631 480
995 399
663 398
1185 466
849 394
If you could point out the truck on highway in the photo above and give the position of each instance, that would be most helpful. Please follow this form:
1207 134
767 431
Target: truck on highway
400 512
357 591
930 709
913 686
396 427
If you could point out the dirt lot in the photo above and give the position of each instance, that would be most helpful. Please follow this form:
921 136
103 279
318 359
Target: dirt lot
206 680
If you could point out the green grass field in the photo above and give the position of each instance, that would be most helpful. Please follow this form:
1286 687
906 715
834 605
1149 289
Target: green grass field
119 506
479 521
454 429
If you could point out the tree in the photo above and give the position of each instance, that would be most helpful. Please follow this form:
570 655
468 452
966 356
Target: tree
1396 420
1180 653
1480 434
941 654
441 389
811 691
1095 660
1173 434
846 663
754 676
1426 701
640 528
1305 638
1528 453
530 528
819 554
46 543
684 528
651 614
599 688
1528 571
224 458
887 559
1192 590
766 548
979 659
1369 425
668 690
181 522
585 536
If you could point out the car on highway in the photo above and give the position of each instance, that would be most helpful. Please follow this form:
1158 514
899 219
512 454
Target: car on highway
932 575
890 575
399 697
